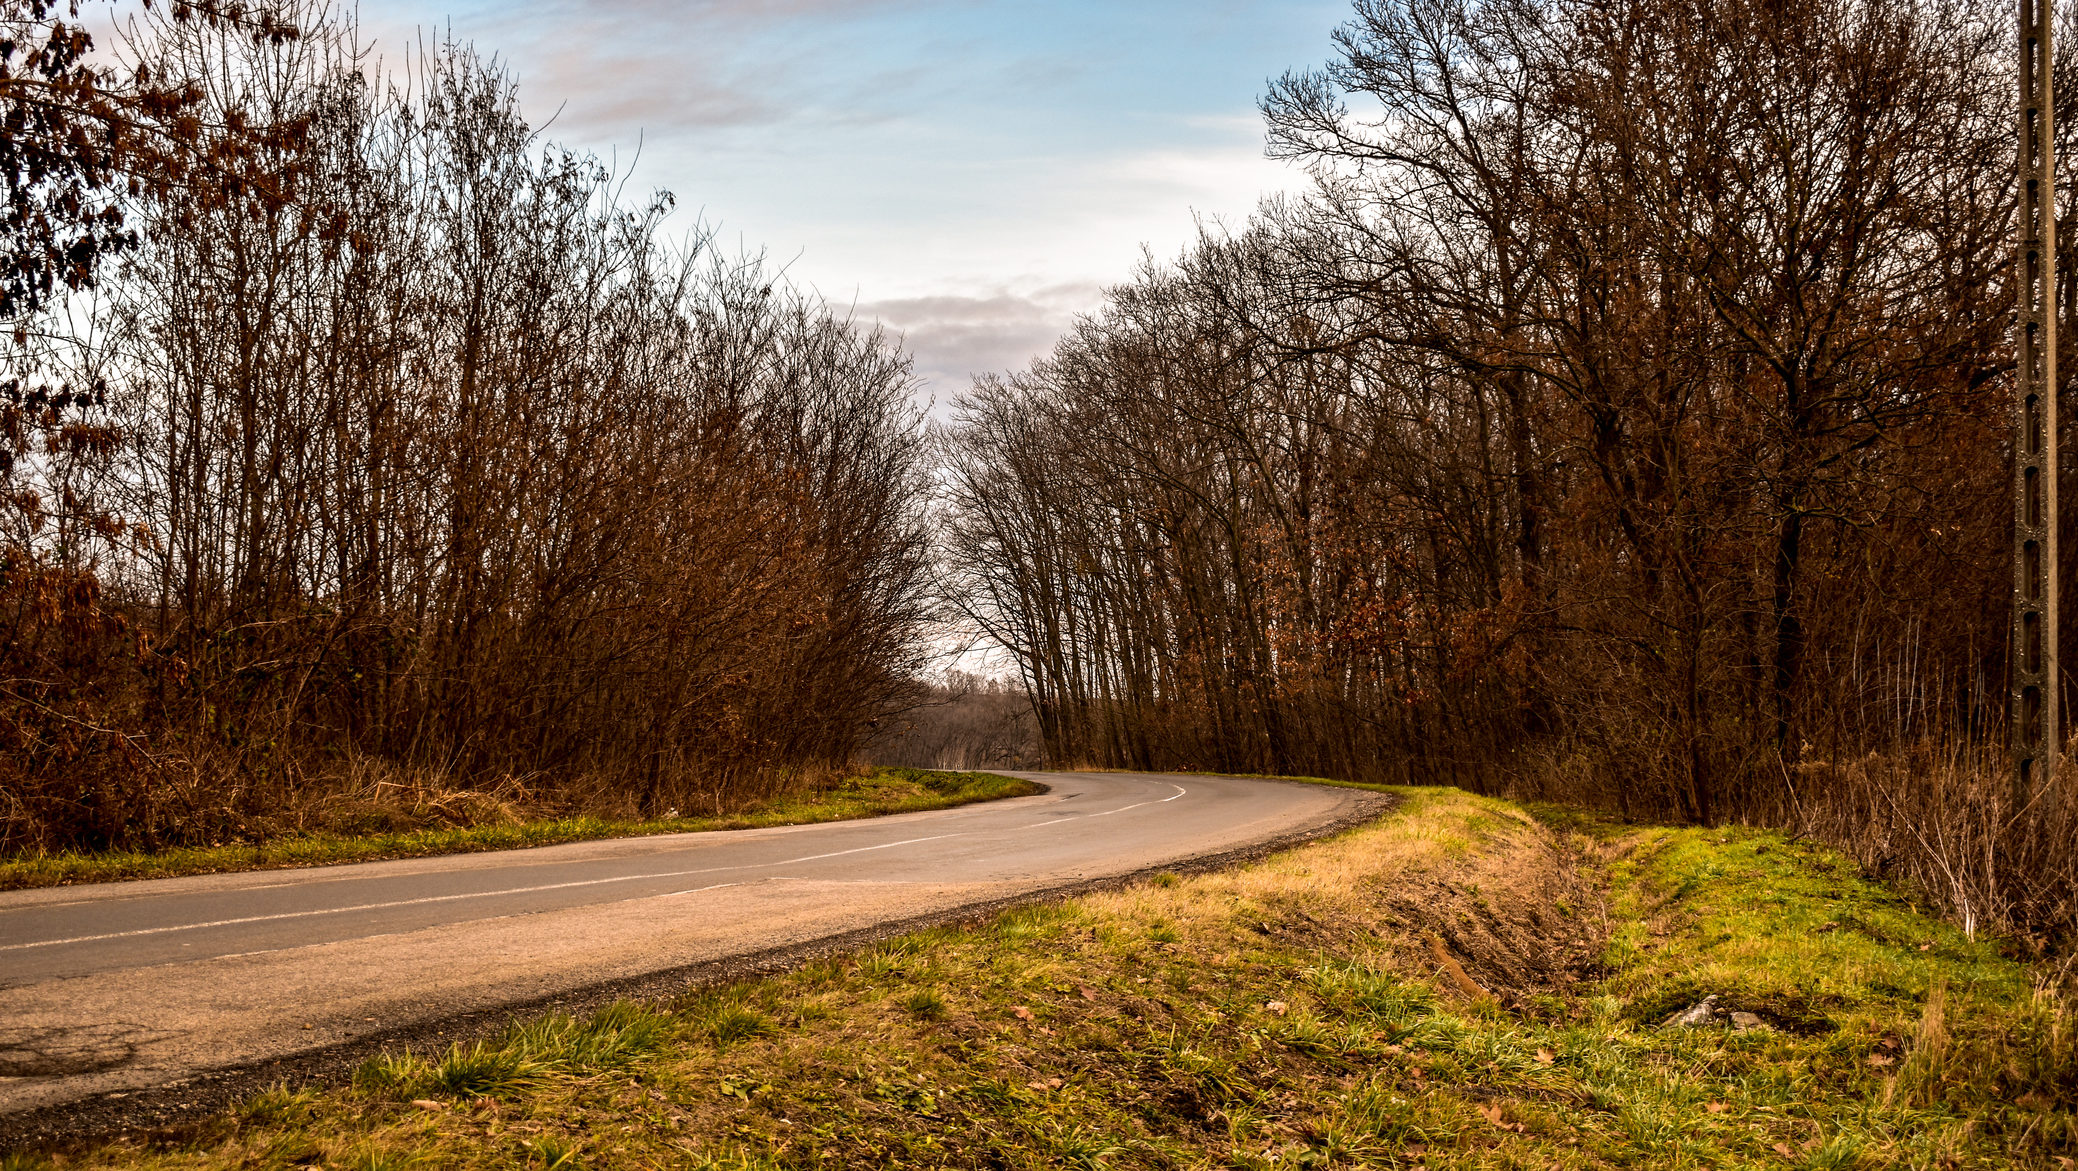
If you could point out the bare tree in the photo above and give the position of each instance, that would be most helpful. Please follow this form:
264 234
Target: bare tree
419 445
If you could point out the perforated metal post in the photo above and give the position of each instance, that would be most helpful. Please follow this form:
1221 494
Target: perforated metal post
2036 726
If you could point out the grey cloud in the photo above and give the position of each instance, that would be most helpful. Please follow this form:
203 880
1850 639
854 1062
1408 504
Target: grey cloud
661 67
616 90
650 13
632 102
607 83
953 337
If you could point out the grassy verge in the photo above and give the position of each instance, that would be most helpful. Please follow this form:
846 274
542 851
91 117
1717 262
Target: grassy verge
1441 989
886 790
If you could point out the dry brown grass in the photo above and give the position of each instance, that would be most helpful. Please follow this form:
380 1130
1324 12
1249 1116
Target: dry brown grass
1950 825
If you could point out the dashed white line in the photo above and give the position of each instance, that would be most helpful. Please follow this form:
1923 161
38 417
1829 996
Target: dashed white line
1138 804
484 894
1180 791
696 890
429 899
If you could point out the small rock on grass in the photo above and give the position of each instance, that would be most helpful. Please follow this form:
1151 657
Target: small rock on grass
1703 1012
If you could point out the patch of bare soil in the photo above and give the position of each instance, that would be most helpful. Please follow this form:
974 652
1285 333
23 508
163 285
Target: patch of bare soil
1523 917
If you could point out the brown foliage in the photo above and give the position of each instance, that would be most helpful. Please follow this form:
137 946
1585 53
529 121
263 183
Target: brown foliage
410 440
1619 418
79 135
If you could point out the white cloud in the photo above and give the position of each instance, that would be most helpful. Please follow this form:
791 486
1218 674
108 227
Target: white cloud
970 174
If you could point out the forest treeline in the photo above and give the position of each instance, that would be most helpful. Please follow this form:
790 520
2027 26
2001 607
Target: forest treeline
1622 416
380 439
960 720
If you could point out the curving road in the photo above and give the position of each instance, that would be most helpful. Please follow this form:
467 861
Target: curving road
113 989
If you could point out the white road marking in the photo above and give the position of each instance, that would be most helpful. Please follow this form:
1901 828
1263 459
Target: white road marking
1180 791
520 858
1136 805
696 890
537 889
484 894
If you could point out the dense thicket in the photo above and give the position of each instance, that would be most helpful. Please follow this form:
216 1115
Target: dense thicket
960 720
1622 416
399 435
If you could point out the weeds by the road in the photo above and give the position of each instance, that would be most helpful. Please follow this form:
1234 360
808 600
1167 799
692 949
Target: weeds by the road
884 791
1439 990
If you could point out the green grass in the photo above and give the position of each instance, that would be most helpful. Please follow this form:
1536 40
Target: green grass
1296 1013
885 791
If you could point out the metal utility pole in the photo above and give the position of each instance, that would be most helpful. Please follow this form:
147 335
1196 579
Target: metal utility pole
2036 726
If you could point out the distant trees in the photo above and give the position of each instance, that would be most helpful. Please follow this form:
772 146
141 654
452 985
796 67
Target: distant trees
1619 415
959 720
407 438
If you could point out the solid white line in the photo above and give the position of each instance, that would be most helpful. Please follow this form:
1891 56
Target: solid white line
537 889
1163 801
841 853
696 890
451 898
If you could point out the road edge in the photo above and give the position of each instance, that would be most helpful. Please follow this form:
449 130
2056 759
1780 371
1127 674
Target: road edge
8 886
166 1113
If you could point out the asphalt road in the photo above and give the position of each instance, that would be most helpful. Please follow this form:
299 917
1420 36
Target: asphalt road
139 986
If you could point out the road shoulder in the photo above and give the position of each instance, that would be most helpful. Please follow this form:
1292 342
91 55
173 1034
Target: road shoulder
147 1110
884 792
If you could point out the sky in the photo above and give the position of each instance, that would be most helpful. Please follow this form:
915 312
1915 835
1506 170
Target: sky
970 174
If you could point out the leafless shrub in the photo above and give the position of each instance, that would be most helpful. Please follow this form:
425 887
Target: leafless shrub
1616 421
411 441
1951 823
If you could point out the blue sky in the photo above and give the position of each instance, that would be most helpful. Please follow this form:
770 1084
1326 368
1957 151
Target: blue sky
969 173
